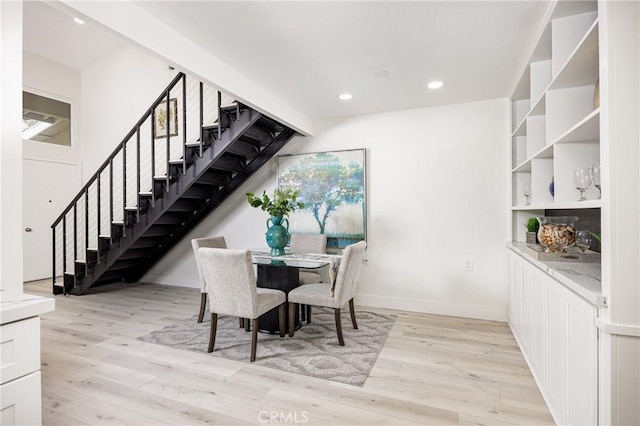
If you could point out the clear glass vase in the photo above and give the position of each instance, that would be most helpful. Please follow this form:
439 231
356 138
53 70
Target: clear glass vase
557 233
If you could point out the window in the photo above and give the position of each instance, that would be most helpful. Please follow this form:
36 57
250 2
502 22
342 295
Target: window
45 120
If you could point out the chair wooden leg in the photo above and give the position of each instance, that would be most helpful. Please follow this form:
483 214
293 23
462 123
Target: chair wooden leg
212 333
241 322
353 314
339 327
303 312
203 305
308 314
292 312
247 324
281 324
254 339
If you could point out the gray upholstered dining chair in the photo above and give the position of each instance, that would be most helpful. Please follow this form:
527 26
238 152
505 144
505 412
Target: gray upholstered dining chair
325 294
232 289
211 242
309 243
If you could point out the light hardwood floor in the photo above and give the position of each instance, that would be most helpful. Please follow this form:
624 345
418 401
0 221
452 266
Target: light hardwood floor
432 370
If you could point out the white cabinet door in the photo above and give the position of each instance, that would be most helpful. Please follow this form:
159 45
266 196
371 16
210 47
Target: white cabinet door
511 267
571 378
528 271
20 401
557 378
539 322
583 362
518 317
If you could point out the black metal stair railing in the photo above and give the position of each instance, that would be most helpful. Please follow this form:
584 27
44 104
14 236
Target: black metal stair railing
134 176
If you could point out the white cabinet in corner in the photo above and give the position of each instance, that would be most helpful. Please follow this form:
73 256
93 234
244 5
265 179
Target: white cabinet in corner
555 329
20 390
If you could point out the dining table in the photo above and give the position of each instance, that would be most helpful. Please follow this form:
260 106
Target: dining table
282 273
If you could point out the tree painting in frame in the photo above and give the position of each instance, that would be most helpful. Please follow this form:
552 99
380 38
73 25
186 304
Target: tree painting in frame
332 188
160 114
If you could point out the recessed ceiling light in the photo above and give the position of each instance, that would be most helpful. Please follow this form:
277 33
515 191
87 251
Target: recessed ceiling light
380 73
78 21
345 96
435 85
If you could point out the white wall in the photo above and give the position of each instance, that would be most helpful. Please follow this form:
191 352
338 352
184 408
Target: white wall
436 192
10 147
56 81
116 92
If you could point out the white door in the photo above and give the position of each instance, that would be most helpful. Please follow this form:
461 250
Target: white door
48 187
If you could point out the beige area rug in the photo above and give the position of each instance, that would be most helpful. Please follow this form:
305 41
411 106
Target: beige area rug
312 351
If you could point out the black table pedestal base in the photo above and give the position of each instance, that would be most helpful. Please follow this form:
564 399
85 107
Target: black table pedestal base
279 278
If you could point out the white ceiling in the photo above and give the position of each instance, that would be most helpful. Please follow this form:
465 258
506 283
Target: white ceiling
307 52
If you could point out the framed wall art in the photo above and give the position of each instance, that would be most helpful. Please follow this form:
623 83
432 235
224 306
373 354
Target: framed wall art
332 188
160 119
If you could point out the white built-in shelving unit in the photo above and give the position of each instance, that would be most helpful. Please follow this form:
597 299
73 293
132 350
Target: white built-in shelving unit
555 122
556 128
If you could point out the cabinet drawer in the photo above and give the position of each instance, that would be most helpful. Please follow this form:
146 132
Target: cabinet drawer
19 349
21 401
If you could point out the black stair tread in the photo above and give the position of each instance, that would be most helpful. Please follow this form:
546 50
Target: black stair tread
145 242
213 177
196 144
123 264
227 163
135 254
243 149
199 191
190 205
158 231
171 218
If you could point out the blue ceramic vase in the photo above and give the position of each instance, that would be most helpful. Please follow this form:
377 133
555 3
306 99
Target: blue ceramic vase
277 234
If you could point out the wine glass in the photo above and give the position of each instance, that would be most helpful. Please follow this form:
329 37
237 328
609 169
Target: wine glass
582 180
595 173
526 190
584 240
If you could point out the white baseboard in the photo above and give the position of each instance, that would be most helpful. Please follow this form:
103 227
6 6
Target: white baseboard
492 313
162 279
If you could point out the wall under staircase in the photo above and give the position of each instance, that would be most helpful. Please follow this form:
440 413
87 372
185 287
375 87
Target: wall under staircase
157 185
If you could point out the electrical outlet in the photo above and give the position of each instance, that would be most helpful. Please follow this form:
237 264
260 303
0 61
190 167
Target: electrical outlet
468 264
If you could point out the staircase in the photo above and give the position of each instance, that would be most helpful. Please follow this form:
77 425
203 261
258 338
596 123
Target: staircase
168 174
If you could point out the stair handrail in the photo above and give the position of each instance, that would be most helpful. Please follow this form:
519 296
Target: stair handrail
119 147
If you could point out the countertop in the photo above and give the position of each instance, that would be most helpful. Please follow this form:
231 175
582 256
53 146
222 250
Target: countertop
16 306
580 277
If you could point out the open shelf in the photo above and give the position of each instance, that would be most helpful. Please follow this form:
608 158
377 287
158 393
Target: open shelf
589 204
556 126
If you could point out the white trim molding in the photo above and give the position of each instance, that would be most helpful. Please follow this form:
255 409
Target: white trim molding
617 329
491 313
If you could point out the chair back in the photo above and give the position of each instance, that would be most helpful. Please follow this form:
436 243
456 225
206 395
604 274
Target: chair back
308 243
346 280
230 281
211 242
